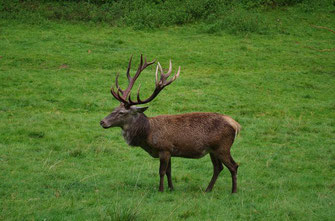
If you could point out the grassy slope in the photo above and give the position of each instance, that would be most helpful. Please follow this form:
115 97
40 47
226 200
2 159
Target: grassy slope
57 163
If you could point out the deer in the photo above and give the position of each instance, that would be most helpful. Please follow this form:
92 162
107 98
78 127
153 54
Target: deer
188 135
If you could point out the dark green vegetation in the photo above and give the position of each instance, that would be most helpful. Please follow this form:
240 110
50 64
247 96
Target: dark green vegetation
57 163
234 16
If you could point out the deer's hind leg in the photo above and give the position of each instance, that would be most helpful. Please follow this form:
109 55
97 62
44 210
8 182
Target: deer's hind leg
229 162
217 168
223 154
168 174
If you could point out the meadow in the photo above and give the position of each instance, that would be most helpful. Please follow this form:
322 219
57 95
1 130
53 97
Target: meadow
57 163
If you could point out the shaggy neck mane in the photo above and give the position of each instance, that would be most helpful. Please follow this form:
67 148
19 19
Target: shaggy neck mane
137 132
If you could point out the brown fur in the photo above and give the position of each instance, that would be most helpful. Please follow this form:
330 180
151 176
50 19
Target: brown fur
188 135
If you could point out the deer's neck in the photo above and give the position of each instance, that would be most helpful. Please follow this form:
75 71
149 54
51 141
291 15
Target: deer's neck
136 132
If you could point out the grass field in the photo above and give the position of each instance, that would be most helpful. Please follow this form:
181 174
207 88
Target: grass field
57 163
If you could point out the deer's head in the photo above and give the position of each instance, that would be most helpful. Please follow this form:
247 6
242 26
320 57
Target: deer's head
126 112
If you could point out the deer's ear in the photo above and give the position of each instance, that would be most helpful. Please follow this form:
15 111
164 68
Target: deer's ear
139 109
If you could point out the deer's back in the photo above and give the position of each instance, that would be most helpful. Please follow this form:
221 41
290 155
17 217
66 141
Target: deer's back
191 135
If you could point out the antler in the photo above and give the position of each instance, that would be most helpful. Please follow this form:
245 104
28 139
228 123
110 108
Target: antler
131 80
159 84
163 82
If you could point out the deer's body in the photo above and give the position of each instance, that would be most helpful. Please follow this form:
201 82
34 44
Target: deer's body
191 135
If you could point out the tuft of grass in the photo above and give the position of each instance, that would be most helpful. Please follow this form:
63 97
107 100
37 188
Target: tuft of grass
76 153
123 213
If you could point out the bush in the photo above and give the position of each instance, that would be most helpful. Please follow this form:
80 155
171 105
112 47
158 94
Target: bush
267 3
237 16
237 21
165 13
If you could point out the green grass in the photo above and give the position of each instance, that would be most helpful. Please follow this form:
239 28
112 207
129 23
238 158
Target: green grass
57 163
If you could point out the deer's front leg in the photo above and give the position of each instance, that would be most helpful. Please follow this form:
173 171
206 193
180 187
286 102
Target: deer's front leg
164 158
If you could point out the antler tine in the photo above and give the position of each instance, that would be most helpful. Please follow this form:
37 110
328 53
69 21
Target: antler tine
138 94
156 75
170 70
163 76
128 69
151 62
130 101
141 62
148 63
140 67
121 98
138 97
131 80
117 83
117 95
174 77
177 75
114 93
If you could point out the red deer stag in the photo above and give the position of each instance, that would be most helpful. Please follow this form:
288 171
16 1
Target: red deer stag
190 135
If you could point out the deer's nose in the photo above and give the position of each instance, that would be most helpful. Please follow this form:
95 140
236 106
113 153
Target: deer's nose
102 123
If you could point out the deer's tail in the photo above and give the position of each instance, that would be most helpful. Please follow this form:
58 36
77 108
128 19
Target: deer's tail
234 124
